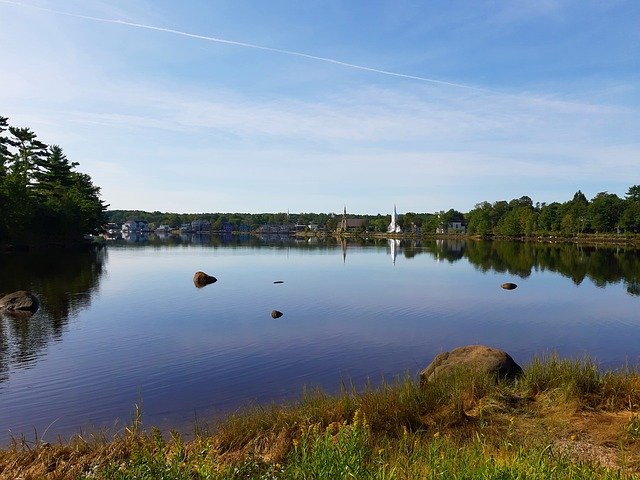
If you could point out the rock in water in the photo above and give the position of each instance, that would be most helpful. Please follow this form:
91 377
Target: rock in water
276 314
20 301
278 281
478 358
201 279
509 286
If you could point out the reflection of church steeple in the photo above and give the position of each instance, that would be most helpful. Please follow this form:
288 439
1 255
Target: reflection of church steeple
394 245
344 250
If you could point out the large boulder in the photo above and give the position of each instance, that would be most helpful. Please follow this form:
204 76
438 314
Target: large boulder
19 302
478 358
201 279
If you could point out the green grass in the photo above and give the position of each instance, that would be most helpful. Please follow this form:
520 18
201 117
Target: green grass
348 451
561 419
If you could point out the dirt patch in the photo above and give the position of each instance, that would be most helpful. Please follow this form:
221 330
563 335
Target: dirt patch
601 437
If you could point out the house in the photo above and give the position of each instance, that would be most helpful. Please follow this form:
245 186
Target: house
276 229
453 227
112 228
311 227
201 226
163 229
135 226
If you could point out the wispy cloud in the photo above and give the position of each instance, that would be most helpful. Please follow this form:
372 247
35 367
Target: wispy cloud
248 45
144 138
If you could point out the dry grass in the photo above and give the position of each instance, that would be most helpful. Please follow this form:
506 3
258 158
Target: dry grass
563 408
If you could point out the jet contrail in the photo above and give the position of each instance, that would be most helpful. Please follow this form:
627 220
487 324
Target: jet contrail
250 45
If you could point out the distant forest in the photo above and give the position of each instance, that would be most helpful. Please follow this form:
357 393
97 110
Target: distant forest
43 198
605 213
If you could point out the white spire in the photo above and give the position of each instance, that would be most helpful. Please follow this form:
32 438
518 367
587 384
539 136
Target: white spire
393 226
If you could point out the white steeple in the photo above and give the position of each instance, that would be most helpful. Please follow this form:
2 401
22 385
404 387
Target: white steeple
393 226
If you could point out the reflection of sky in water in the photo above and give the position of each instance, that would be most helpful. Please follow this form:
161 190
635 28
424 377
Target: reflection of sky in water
148 333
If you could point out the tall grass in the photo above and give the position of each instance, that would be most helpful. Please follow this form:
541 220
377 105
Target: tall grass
559 420
582 381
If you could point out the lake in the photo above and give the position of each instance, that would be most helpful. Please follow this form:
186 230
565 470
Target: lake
125 325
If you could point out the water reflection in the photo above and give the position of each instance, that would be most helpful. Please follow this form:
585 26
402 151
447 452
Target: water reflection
602 265
63 282
149 332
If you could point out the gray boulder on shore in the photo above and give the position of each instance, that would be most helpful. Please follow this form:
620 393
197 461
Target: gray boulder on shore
19 302
478 358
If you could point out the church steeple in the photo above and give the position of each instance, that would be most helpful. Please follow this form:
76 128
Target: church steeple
393 226
343 222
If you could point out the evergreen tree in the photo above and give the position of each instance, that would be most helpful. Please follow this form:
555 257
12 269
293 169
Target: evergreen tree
42 197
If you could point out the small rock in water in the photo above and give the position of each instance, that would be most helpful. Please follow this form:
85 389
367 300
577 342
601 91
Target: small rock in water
278 281
509 286
276 314
201 279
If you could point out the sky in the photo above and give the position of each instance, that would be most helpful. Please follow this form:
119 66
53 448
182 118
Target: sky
281 105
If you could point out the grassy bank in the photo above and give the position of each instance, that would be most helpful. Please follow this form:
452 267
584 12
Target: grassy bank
562 419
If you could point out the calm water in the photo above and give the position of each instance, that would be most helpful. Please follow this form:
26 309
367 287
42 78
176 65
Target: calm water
126 325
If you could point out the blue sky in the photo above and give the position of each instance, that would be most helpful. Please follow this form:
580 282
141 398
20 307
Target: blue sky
511 98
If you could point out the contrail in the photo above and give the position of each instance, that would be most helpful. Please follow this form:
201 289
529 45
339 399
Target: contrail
250 45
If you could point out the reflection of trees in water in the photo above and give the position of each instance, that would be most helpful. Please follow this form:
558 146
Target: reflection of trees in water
63 281
602 265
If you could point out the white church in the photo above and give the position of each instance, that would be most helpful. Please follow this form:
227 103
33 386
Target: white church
393 226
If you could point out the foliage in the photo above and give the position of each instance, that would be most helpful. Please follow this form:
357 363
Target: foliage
561 419
43 198
605 213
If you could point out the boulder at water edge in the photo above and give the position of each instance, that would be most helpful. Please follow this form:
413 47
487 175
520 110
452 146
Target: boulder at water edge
19 302
478 358
509 286
201 279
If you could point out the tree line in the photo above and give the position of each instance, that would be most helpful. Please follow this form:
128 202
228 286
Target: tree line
604 213
43 198
425 222
520 217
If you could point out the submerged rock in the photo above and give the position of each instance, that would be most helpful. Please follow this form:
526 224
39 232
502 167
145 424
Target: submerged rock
509 286
20 301
276 314
201 279
478 358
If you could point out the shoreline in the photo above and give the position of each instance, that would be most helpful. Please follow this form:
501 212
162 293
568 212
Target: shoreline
561 419
586 238
621 240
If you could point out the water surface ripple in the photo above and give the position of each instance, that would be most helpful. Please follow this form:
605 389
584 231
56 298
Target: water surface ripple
125 325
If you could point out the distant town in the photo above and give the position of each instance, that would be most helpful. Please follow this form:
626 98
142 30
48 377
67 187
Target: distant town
285 224
606 213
